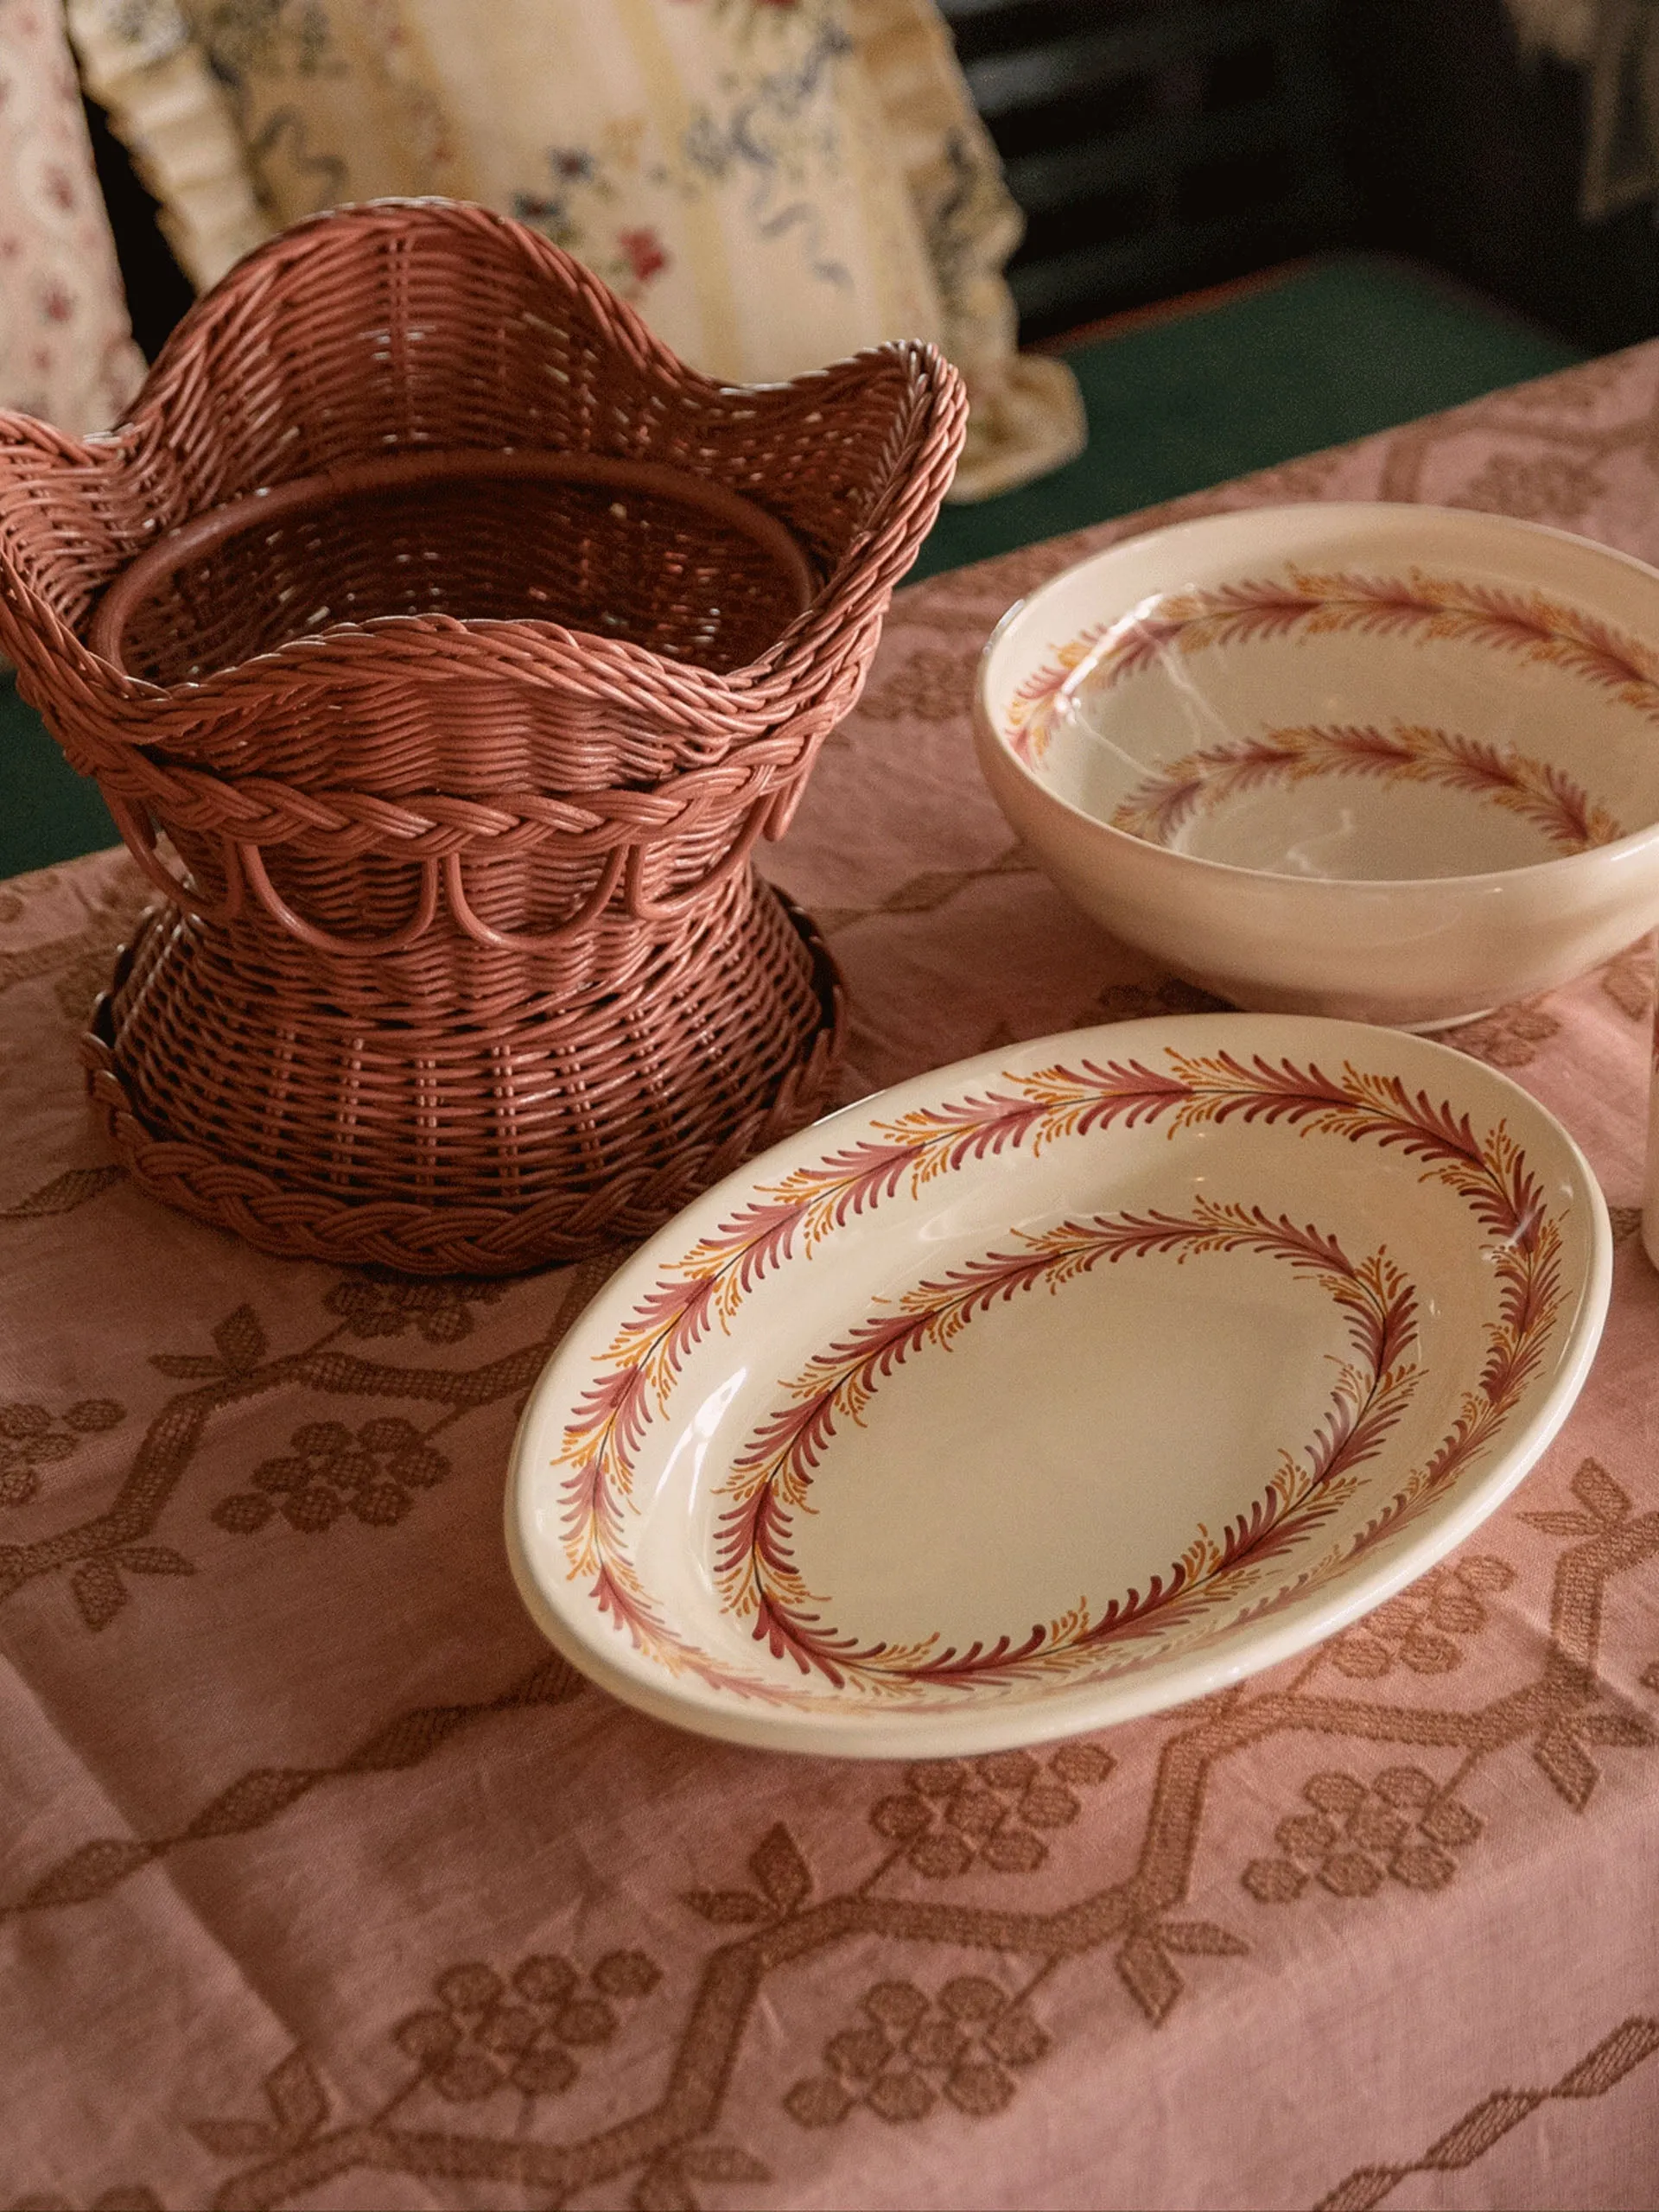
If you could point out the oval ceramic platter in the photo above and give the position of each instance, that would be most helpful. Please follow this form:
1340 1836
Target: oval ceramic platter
1059 1385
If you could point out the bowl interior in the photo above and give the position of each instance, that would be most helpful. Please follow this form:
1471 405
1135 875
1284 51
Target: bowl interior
1377 694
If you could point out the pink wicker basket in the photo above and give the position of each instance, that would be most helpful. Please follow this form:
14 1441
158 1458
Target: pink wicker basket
443 646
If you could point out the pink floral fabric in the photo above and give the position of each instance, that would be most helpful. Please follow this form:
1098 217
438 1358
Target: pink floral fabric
323 1882
65 348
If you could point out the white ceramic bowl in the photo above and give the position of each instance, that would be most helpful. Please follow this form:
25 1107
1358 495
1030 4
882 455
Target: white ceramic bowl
1394 763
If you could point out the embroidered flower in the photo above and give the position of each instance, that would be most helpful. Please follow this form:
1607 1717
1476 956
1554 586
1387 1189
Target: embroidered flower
31 1438
993 1812
371 1306
329 1471
487 2032
965 2045
645 253
1420 1630
1401 1825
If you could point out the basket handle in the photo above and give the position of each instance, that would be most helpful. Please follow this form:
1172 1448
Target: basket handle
524 941
645 908
138 835
398 940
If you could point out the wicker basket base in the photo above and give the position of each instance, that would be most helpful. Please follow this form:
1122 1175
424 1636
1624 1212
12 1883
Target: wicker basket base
451 1238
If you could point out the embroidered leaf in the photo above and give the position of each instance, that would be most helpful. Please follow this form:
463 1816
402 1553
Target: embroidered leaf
91 1871
729 1907
187 1367
1152 1982
1631 2042
64 1192
1563 1759
1594 1486
722 2162
1202 1937
1364 2187
1476 2133
663 2188
100 1591
1562 1524
153 1559
251 1800
408 1740
241 1341
555 1682
236 2138
780 1870
296 2097
1623 1729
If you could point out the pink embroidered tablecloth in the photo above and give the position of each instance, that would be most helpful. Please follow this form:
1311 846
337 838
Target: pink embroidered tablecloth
324 1884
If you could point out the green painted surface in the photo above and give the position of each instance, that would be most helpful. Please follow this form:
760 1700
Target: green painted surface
1329 352
46 812
1333 351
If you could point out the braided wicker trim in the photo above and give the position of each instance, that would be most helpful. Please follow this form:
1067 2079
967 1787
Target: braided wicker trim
479 1240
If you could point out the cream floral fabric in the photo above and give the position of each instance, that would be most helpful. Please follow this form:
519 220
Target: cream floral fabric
143 63
773 183
65 350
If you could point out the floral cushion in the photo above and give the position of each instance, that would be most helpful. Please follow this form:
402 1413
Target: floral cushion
773 183
65 349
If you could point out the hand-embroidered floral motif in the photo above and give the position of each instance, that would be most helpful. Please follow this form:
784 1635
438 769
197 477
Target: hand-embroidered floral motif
31 1438
1547 488
1136 1918
1628 981
523 2031
579 211
967 2044
995 1812
1421 1628
1511 1037
1401 1826
372 1306
373 1474
99 1551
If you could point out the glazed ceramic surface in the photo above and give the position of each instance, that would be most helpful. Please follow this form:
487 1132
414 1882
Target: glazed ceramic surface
1059 1385
1396 762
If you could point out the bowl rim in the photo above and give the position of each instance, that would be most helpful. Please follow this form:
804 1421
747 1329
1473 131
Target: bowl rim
1635 844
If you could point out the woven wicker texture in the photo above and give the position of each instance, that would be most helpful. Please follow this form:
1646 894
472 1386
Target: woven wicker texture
462 643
